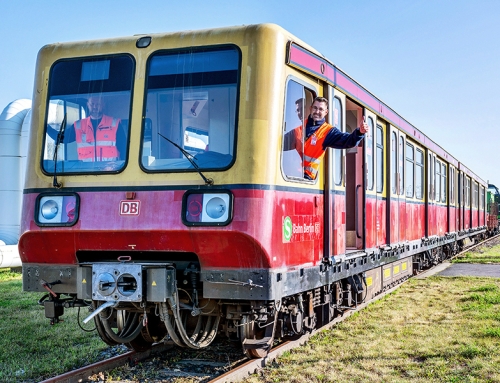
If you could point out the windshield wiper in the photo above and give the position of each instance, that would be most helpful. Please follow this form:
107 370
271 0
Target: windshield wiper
59 139
190 157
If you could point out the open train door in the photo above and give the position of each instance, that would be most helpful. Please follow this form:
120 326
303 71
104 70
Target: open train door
355 183
335 190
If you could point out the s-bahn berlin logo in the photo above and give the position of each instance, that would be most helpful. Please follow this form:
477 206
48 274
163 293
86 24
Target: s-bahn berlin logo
287 229
300 228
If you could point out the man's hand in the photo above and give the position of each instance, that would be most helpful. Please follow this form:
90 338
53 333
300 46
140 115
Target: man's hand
363 128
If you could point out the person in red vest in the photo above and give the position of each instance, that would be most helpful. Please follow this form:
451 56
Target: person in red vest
320 135
98 137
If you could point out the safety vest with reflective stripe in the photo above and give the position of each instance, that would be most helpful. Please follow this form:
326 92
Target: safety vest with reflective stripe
104 146
312 151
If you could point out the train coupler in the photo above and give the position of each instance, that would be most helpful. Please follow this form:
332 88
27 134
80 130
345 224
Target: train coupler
54 308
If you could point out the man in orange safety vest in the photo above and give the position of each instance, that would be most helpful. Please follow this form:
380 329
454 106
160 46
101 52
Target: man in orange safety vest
320 135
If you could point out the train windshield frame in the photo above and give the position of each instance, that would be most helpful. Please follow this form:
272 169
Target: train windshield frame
91 99
191 109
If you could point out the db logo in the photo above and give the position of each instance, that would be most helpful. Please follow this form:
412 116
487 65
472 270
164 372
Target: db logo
130 207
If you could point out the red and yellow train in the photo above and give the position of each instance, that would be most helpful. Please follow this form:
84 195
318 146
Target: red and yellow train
178 212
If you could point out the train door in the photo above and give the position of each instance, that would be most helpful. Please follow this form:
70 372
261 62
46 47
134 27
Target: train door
467 203
397 203
453 220
380 176
370 205
431 225
354 183
460 202
335 190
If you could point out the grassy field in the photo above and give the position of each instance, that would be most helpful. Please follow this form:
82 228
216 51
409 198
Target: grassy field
32 349
488 253
430 330
433 330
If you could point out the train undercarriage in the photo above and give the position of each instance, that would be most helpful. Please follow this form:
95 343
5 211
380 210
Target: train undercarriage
142 304
139 304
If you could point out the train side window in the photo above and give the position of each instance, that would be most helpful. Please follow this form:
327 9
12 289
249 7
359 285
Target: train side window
443 182
467 192
298 98
481 199
393 163
369 155
410 163
438 180
475 194
380 159
401 163
430 178
419 176
338 154
452 189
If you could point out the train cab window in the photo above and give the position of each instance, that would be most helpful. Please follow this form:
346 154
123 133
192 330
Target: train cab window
87 114
298 100
410 165
191 109
369 154
380 159
419 174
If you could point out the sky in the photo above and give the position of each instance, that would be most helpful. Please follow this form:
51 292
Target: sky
435 62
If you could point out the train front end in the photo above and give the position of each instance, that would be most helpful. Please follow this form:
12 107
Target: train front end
141 200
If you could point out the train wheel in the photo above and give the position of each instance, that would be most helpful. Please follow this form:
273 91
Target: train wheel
139 344
153 332
257 338
100 328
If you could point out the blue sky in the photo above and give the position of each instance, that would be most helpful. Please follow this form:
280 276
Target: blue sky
433 61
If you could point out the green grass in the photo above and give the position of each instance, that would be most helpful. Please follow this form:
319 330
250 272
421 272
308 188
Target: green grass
434 330
489 253
32 349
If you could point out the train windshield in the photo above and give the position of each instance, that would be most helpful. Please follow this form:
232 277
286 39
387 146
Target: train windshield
87 115
191 104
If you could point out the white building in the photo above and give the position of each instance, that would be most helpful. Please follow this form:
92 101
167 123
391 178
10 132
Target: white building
14 126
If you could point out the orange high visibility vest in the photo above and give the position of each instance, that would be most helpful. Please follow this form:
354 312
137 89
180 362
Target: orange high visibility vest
104 147
312 151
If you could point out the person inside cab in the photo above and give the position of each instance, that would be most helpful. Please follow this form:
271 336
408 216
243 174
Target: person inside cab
98 137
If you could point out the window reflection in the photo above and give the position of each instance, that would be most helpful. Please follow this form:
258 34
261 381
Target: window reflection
91 99
191 103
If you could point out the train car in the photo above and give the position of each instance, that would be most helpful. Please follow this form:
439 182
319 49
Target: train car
161 194
493 202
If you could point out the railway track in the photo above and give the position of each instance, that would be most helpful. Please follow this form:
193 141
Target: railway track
229 366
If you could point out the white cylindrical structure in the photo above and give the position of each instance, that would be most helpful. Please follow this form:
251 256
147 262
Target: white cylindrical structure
13 150
9 256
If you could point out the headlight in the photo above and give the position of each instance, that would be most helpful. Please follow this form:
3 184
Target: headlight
57 210
207 208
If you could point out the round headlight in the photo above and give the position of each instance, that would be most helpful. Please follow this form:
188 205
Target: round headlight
49 209
216 207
